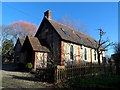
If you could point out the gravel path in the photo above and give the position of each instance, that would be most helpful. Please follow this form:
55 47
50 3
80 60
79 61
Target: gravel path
15 79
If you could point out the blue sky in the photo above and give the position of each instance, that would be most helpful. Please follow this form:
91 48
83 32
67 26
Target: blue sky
93 15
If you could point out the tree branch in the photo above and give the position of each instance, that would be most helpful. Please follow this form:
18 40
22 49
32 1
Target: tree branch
109 45
103 42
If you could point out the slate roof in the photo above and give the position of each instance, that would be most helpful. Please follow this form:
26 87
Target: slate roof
69 34
36 45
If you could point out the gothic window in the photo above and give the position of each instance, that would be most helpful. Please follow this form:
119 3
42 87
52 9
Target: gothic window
71 52
94 54
85 54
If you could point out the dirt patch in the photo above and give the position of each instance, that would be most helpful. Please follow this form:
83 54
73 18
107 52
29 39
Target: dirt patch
14 79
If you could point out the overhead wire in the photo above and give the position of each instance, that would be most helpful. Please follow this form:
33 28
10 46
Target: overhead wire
18 10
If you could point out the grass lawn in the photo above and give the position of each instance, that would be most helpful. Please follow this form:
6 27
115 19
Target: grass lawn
108 82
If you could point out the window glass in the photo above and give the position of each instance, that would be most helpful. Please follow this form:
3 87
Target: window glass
85 54
71 52
94 54
65 31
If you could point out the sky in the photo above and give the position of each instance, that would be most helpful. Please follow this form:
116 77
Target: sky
93 15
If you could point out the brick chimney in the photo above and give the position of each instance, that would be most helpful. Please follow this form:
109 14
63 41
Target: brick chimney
48 14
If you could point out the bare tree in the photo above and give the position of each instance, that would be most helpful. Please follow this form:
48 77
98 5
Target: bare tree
10 34
75 25
106 43
18 29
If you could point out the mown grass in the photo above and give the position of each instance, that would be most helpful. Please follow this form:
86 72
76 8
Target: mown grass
99 82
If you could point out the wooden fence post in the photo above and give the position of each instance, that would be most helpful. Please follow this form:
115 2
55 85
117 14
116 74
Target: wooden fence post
78 71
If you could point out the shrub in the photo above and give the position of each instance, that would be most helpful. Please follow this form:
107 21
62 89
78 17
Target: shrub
29 66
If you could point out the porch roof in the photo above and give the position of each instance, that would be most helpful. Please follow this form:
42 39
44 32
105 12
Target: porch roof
35 44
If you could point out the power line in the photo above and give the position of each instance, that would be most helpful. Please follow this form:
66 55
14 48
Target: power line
35 17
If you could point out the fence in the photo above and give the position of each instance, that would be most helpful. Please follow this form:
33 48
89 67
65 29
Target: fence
61 73
79 71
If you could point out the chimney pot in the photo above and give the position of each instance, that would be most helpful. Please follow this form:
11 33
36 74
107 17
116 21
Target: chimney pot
48 14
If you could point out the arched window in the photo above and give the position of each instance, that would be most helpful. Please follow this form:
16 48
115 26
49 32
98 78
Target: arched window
85 54
71 52
94 54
